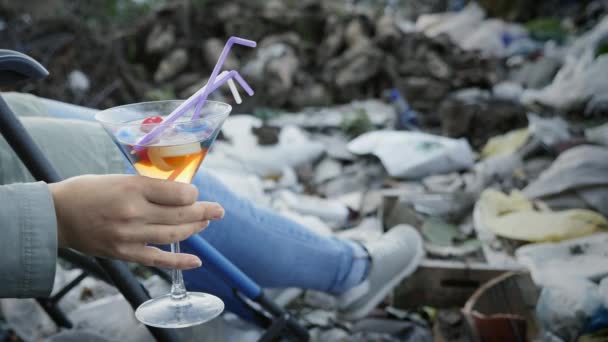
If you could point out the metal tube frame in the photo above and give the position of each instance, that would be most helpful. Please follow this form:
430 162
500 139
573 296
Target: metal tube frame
42 170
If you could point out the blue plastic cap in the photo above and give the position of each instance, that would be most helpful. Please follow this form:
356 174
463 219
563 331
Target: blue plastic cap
394 94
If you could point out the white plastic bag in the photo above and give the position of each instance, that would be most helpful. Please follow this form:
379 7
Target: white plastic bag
294 148
488 37
458 26
565 306
414 154
111 317
582 76
603 289
332 211
577 258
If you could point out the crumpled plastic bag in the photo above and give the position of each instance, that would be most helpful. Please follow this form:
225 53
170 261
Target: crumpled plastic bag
581 77
508 91
506 144
27 318
294 148
603 289
468 29
111 317
566 306
414 154
549 130
583 258
490 38
328 210
514 217
458 25
580 171
246 185
598 135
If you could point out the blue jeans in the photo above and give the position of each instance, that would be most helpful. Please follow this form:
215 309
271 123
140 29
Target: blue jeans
274 251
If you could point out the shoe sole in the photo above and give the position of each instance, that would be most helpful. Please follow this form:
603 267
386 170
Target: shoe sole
383 292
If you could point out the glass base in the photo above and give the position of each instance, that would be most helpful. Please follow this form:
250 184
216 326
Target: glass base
167 312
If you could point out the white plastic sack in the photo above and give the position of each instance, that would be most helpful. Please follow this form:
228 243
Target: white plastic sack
565 306
293 149
577 258
111 317
508 90
27 318
248 186
603 289
327 210
488 37
598 135
589 39
549 130
313 223
581 77
238 130
378 112
458 26
575 83
414 154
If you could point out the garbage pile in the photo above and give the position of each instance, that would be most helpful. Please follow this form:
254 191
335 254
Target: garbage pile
491 140
311 53
517 184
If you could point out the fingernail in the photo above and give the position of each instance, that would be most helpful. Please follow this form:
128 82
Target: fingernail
195 262
217 212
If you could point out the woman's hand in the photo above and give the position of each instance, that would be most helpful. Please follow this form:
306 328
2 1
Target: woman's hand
116 216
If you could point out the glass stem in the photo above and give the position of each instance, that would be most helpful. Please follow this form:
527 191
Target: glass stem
178 289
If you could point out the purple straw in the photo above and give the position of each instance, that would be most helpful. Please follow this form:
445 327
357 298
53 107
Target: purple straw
191 101
220 62
201 96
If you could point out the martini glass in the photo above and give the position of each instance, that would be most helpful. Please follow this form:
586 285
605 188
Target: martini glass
174 154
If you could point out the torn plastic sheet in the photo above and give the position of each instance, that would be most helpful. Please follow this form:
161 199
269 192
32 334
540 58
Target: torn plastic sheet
585 257
581 170
514 217
414 154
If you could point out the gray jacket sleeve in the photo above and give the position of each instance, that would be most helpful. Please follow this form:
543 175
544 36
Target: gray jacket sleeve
28 240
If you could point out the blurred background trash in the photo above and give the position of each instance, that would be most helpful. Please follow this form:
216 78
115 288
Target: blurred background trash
514 217
565 308
578 173
583 258
483 124
425 154
503 309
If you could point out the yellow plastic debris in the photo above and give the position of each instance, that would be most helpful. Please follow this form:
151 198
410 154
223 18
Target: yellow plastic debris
514 217
506 143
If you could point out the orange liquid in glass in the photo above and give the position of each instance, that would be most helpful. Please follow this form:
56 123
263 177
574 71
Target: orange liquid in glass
178 168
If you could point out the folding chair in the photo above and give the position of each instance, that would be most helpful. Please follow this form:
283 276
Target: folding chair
252 304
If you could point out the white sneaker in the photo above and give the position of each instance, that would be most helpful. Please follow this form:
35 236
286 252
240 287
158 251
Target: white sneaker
395 256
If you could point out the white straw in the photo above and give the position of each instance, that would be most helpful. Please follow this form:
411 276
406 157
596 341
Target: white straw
235 92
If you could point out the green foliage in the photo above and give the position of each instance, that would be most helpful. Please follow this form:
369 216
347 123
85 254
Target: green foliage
358 124
547 28
602 49
265 114
99 14
160 94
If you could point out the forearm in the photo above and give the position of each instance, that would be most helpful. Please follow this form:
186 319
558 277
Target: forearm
28 244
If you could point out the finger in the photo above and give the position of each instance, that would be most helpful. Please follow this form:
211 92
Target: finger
169 193
152 256
165 234
199 211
